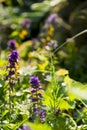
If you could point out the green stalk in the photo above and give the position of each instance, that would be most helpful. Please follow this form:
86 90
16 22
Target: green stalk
9 104
77 35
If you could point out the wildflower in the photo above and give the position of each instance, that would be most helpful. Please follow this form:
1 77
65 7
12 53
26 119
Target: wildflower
12 44
48 38
31 55
12 77
36 98
53 44
24 127
51 30
26 23
34 81
23 34
12 68
51 19
13 57
42 114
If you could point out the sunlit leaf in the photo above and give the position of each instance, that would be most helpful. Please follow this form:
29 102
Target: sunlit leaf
64 105
4 113
76 90
14 33
62 72
36 126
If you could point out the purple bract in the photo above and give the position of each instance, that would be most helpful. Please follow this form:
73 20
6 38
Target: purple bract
26 23
12 43
13 57
42 115
51 18
25 127
34 80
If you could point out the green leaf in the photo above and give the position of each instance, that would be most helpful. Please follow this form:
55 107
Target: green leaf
14 33
36 126
64 105
76 90
4 113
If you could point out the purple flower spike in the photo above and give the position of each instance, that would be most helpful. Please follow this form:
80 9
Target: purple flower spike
36 99
13 57
12 43
34 80
12 68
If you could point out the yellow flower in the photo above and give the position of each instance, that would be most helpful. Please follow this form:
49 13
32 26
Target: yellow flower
30 54
23 33
51 33
48 38
62 72
52 29
17 74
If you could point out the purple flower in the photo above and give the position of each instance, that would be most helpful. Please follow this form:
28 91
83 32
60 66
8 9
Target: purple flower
36 111
34 40
11 44
51 18
12 68
53 43
25 127
12 76
26 23
42 114
11 72
36 98
34 80
13 57
39 95
40 87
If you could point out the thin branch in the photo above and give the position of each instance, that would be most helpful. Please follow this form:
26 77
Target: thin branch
77 35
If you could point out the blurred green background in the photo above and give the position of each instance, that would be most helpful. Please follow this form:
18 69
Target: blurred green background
72 19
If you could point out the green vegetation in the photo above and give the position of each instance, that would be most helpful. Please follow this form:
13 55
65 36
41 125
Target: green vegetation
43 54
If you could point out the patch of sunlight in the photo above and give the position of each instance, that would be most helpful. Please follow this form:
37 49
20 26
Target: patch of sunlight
54 2
78 92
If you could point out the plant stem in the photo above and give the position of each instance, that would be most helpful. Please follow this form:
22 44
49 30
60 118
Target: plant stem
9 104
77 35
